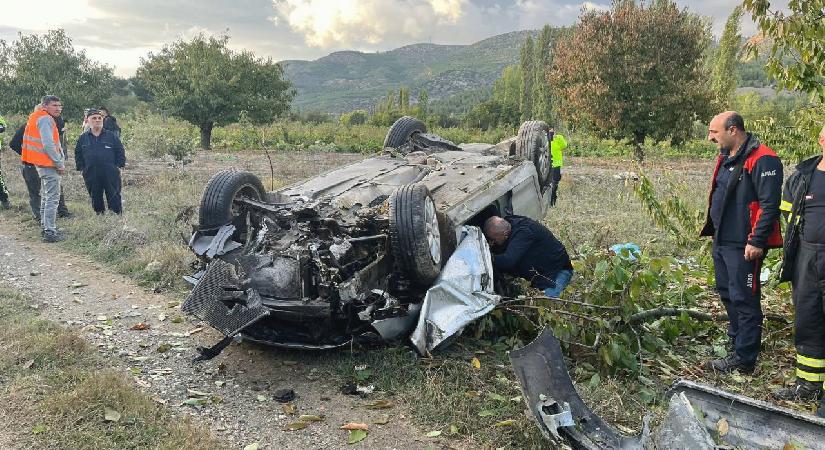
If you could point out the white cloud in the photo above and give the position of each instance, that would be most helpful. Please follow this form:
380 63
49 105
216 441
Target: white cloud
452 10
333 23
47 14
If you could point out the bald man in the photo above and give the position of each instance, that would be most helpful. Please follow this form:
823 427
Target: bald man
527 249
743 219
803 203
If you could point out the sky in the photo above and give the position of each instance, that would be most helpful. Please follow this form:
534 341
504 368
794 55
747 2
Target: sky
120 32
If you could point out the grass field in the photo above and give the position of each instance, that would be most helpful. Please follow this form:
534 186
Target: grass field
596 209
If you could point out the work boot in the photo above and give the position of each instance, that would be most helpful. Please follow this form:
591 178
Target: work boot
50 236
729 364
802 390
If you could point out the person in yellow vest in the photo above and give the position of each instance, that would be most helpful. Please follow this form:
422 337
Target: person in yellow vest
41 148
4 193
557 145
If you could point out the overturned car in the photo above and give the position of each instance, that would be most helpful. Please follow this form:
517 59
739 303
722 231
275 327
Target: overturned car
353 252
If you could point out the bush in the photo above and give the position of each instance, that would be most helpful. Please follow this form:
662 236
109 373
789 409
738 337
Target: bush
154 136
357 117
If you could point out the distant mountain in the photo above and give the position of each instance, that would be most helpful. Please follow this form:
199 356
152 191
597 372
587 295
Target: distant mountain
349 80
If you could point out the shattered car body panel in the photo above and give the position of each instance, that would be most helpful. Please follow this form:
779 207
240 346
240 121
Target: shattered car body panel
318 253
691 422
462 293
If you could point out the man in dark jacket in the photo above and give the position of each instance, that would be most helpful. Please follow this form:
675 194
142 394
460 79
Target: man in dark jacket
803 203
100 156
32 179
529 250
109 122
743 219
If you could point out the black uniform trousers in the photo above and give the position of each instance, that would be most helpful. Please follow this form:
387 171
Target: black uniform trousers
737 282
100 180
556 176
4 193
32 180
808 292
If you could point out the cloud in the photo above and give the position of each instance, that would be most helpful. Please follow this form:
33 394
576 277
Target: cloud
334 23
452 10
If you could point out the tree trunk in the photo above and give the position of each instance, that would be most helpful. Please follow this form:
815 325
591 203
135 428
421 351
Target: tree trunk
206 135
638 150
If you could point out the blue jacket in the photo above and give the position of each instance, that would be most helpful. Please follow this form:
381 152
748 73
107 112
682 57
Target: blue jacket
532 253
99 151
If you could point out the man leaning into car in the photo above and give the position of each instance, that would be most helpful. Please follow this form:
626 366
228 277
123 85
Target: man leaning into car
527 249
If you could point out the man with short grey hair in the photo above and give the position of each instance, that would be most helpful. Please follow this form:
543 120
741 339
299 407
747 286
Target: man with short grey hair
41 148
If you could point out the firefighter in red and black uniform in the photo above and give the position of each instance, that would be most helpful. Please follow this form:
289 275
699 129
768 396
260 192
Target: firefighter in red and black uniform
803 203
743 219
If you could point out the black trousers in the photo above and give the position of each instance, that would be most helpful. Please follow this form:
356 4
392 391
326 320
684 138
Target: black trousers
32 180
556 174
737 282
102 180
4 193
809 326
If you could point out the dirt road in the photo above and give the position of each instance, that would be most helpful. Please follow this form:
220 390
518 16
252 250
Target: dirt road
81 294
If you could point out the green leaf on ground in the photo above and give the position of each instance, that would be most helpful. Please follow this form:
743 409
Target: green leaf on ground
356 436
434 433
39 428
486 413
295 426
254 446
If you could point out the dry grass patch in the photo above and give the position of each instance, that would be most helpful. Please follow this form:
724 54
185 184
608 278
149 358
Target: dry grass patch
58 393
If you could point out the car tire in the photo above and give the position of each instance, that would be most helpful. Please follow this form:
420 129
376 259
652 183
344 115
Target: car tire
414 233
216 209
533 144
401 131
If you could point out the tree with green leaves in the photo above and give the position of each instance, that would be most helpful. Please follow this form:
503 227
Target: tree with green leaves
36 65
542 106
528 76
796 59
205 83
633 72
423 106
724 75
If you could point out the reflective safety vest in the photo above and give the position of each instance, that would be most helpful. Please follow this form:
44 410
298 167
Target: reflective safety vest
556 146
33 149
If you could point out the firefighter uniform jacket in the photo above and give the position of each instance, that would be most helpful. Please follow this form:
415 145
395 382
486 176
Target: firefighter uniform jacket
750 212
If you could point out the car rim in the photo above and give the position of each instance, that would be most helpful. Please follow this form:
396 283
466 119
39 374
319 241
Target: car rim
433 235
544 156
246 191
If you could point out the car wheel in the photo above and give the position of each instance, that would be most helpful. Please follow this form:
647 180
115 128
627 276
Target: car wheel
414 233
533 144
401 131
217 203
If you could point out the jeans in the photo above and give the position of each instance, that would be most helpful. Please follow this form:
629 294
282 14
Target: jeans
32 180
561 282
49 197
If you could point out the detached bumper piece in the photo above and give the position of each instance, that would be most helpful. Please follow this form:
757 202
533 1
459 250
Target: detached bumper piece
217 300
692 421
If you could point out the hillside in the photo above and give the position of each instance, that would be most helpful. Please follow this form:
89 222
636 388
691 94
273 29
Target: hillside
348 80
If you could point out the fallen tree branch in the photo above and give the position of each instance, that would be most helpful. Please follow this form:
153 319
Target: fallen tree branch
658 313
555 299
